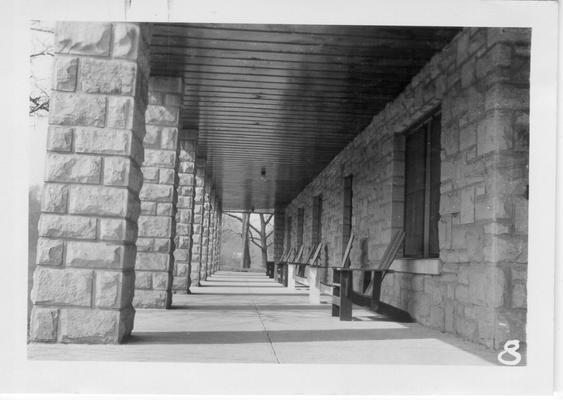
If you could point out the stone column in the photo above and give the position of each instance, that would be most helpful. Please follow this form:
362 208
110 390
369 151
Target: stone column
209 250
156 229
205 227
217 250
199 190
184 217
83 283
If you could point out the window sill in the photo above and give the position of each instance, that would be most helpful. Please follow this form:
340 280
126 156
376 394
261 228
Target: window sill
426 266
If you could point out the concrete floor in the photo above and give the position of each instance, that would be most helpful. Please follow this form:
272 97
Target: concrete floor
239 317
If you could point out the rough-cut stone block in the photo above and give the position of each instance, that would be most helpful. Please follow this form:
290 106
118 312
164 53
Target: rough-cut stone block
494 132
186 179
150 174
467 215
49 252
157 226
117 229
107 76
150 299
126 40
181 269
98 200
119 171
143 280
67 226
99 255
113 289
162 115
152 137
162 245
89 326
519 296
145 244
102 141
72 168
506 248
185 202
160 158
164 209
160 280
89 38
77 109
183 229
65 71
148 208
54 198
180 283
152 261
62 286
59 139
43 324
120 112
169 138
166 176
153 192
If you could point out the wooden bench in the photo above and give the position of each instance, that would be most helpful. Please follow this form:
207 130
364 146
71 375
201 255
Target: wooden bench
278 270
342 279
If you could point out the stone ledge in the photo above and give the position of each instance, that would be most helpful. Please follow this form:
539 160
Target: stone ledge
427 266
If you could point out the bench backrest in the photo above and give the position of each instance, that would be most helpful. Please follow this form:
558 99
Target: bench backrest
391 251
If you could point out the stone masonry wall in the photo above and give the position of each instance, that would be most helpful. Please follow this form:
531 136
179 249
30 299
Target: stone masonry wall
153 281
83 283
184 216
481 83
197 226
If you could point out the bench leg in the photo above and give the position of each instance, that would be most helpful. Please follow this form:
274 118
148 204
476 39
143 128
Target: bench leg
376 293
336 292
314 286
345 295
291 276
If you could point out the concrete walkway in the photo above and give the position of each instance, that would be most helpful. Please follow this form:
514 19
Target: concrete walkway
241 317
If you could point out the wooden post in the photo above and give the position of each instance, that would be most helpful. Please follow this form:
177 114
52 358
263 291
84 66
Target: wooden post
314 286
336 293
346 295
377 278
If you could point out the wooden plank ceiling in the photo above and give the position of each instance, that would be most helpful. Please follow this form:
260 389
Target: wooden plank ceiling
273 104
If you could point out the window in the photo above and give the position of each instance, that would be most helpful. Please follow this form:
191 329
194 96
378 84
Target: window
422 189
289 233
300 220
317 221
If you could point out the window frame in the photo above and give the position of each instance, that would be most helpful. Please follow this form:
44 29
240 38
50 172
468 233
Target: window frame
428 124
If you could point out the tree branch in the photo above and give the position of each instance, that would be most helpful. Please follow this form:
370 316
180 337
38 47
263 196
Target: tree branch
42 53
269 219
256 244
234 216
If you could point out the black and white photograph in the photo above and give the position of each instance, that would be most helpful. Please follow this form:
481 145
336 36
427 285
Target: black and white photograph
365 197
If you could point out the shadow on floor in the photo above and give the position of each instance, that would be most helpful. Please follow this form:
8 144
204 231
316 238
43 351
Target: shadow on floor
245 285
279 336
246 294
270 307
